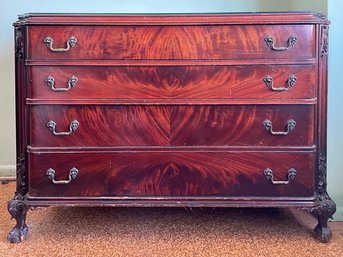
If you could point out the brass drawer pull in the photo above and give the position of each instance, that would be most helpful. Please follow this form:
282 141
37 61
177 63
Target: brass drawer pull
71 42
268 125
271 43
72 127
269 82
72 175
50 82
290 175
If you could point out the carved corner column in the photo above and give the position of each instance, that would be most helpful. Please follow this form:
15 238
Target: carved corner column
325 206
18 207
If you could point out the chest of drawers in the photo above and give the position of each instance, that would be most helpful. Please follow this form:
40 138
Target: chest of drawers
207 110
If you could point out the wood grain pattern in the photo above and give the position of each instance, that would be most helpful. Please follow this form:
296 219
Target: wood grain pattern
174 82
186 62
171 111
172 42
172 125
171 174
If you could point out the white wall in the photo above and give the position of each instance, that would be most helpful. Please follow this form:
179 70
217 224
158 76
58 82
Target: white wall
9 11
309 5
335 116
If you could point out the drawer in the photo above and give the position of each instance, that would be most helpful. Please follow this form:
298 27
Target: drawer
173 173
171 42
171 125
173 82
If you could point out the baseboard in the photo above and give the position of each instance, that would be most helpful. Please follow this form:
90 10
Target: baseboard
7 170
338 216
338 198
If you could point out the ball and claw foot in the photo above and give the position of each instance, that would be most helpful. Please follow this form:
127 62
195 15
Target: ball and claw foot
18 234
18 209
324 212
324 234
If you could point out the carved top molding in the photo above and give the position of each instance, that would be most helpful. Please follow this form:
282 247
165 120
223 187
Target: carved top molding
172 19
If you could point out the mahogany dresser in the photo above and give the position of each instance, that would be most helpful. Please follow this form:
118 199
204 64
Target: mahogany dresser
201 110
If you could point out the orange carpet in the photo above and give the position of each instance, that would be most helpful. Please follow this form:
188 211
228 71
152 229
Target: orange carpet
164 232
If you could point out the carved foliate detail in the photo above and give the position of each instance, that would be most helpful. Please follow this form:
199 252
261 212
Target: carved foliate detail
321 177
324 46
21 175
19 43
324 207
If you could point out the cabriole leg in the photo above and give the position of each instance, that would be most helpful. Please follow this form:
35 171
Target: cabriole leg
325 207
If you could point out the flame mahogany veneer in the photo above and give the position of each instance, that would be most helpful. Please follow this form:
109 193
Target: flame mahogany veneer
172 173
171 125
202 110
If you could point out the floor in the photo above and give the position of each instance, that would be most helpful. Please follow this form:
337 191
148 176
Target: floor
165 232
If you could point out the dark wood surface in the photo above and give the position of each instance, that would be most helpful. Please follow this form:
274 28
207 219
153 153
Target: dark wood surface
175 82
171 125
171 111
72 19
172 42
171 174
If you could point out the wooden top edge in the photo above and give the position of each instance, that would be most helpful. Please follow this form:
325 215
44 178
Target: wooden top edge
171 19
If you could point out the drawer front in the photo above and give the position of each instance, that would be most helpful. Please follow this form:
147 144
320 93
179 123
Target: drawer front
184 125
171 42
171 174
173 82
